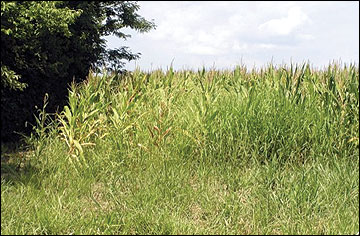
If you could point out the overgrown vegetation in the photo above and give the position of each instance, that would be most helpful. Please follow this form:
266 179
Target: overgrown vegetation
45 45
267 151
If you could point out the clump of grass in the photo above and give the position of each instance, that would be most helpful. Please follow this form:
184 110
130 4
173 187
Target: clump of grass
264 151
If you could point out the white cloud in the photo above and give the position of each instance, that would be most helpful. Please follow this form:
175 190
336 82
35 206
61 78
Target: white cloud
267 45
306 36
200 49
285 25
197 33
237 46
190 27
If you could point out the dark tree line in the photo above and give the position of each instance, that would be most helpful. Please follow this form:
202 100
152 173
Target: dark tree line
46 45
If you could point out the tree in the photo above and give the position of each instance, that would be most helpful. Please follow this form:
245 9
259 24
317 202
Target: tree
17 26
108 17
46 45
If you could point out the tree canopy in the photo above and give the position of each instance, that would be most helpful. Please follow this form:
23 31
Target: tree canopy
48 44
21 24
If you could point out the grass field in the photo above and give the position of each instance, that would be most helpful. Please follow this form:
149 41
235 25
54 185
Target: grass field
273 150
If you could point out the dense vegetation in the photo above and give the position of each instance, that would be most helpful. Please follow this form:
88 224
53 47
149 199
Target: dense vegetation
267 151
45 45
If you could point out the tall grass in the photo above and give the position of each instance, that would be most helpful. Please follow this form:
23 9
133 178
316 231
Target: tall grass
266 151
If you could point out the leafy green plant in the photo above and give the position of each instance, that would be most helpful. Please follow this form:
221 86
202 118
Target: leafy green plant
273 150
85 117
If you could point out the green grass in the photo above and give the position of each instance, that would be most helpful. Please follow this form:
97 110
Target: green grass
267 151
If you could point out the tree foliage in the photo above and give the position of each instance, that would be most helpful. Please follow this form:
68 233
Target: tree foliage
46 45
21 24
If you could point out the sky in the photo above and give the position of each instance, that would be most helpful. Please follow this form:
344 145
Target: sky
221 34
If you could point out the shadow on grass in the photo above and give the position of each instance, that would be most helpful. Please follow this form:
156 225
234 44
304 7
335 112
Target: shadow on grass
12 173
16 166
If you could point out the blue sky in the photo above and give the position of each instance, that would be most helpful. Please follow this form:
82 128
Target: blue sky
221 34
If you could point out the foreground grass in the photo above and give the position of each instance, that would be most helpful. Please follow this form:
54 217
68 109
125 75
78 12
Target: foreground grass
273 151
